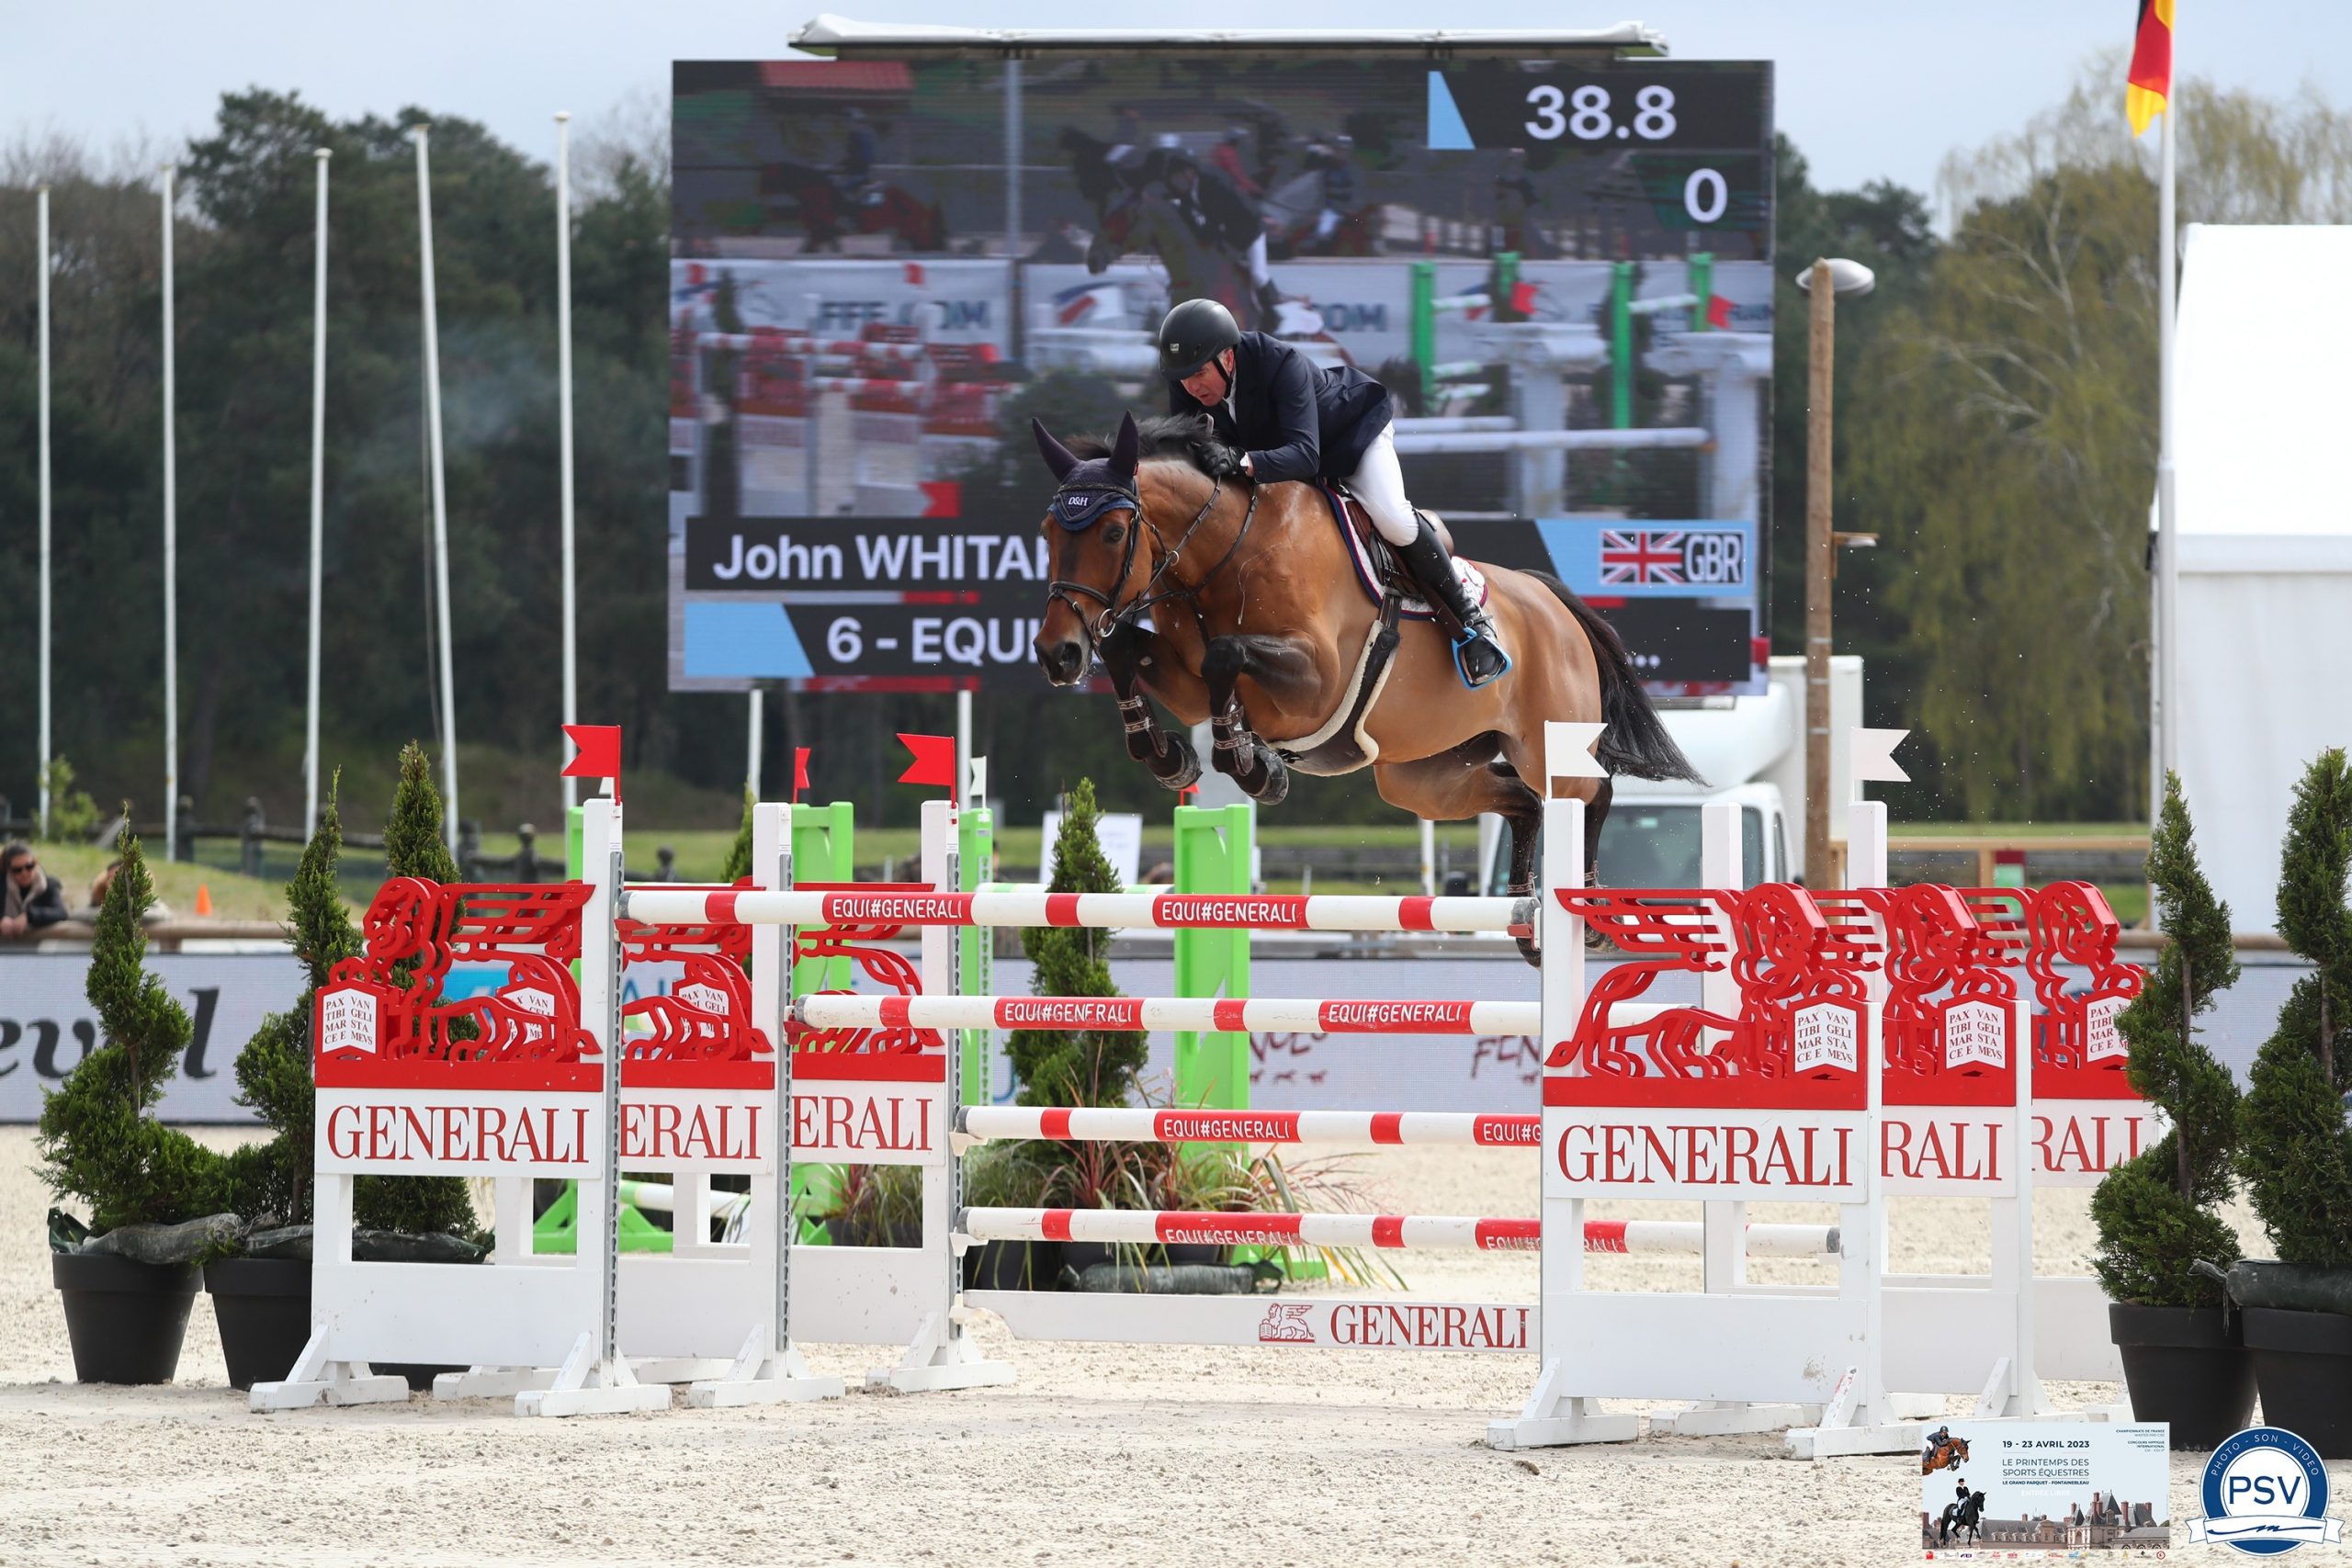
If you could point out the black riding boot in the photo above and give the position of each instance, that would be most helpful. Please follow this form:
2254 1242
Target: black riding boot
1477 651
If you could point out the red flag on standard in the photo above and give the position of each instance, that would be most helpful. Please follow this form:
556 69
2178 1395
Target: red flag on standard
600 753
934 760
799 771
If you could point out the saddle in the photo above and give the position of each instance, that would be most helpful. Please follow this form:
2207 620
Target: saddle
1378 571
1343 744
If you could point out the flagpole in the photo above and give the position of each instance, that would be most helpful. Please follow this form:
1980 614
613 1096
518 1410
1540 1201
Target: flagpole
440 491
2168 518
318 494
40 208
563 408
171 559
758 740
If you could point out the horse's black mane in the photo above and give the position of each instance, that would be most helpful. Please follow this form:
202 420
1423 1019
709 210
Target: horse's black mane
1188 436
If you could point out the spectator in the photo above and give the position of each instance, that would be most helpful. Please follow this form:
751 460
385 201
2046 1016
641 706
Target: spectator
30 897
156 909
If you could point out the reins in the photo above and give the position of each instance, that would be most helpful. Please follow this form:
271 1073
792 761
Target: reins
1114 615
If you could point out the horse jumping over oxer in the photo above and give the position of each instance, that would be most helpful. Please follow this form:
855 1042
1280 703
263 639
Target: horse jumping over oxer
1255 624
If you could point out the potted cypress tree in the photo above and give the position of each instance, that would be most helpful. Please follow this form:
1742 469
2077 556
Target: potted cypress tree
260 1298
1062 1066
100 1143
416 1205
2296 1147
2183 1362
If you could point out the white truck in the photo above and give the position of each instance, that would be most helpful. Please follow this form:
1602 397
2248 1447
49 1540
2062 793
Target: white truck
1750 751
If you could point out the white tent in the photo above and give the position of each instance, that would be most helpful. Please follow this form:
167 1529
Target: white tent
2265 646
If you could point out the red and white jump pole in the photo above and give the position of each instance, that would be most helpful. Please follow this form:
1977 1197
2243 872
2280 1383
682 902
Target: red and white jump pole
1099 911
1686 1239
1255 1015
1148 1226
981 1122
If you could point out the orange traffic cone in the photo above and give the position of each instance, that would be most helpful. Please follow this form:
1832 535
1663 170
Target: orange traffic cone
203 899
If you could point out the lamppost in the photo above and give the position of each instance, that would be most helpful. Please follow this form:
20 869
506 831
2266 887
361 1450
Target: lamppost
1827 281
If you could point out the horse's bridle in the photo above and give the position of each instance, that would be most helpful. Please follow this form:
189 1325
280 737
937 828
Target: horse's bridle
1163 558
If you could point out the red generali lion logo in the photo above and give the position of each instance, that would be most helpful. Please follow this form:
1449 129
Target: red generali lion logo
1285 1324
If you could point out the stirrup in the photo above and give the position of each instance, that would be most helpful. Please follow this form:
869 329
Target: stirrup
1470 635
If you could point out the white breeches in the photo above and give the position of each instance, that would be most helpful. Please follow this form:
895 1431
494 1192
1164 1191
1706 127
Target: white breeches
1379 483
1256 258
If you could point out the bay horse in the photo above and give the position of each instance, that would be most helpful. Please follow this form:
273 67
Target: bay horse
1257 626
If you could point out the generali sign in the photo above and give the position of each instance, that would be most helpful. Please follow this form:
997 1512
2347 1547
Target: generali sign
375 1118
1784 1155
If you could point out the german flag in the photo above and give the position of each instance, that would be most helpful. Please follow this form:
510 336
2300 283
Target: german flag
2150 78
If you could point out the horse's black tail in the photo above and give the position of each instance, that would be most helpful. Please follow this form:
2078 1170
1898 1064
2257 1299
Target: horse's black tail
1636 742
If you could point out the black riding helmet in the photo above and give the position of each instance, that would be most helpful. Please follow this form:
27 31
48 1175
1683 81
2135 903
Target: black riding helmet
1194 333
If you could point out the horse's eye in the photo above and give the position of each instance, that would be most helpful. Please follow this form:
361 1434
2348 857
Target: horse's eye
1116 534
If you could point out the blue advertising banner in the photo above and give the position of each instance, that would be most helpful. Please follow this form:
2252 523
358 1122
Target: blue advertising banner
840 604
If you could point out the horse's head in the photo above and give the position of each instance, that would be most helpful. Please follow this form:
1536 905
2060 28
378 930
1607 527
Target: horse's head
1092 526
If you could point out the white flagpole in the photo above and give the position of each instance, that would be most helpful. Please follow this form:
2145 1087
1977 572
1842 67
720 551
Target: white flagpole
2167 517
564 406
40 209
758 744
440 490
171 557
317 493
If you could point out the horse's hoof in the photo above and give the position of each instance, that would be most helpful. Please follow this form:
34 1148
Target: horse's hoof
1178 767
1532 954
1270 786
1595 941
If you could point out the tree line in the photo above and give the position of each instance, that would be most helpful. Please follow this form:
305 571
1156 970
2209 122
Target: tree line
1997 402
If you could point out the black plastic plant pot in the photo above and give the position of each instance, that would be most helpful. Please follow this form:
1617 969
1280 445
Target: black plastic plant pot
2184 1365
2303 1363
126 1319
263 1305
1014 1265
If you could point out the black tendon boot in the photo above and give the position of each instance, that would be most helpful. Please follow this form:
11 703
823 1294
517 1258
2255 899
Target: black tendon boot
1477 651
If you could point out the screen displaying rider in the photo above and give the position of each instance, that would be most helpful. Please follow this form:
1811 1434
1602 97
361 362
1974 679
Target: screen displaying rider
1217 216
1293 419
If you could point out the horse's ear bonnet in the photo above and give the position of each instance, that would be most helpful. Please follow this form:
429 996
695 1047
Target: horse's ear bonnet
1059 459
1092 487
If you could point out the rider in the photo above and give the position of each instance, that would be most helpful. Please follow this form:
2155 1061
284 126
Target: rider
1228 159
1330 158
1936 1439
1220 219
1294 419
857 161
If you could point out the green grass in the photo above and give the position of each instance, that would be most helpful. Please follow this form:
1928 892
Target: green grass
234 897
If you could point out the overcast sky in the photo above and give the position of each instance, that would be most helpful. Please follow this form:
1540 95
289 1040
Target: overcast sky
1868 89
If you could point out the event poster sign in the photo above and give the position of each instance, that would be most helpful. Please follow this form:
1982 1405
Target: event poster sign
2036 1489
883 267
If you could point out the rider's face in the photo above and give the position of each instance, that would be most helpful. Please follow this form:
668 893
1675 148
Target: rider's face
1207 385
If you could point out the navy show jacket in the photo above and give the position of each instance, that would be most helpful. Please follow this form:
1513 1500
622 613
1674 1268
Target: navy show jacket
1297 420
